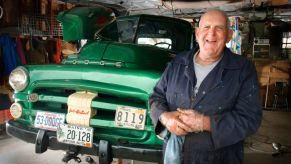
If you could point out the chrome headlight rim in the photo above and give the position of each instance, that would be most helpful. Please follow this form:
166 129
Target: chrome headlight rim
16 110
19 85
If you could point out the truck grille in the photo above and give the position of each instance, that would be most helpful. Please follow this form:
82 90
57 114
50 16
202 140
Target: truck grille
55 100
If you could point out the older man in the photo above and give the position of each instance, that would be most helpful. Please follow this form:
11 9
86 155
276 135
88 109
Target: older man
209 96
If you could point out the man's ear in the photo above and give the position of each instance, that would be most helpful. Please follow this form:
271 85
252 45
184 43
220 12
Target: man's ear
229 35
196 32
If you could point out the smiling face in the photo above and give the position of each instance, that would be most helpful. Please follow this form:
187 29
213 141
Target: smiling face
212 35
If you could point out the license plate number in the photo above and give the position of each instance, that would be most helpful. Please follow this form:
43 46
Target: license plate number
48 120
75 135
130 117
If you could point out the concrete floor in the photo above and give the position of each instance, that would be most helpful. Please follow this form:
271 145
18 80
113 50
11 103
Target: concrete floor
276 127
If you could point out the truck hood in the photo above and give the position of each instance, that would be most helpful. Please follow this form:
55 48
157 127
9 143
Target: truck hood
118 81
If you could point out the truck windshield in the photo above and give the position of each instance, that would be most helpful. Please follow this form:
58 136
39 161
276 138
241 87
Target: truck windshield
153 32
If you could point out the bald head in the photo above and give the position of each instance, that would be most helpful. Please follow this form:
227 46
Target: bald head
215 12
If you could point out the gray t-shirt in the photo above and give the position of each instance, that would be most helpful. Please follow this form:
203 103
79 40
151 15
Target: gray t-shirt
201 71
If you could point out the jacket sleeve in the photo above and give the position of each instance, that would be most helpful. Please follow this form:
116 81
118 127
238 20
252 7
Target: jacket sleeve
158 101
245 118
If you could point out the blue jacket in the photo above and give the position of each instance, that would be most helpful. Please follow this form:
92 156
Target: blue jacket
229 95
10 55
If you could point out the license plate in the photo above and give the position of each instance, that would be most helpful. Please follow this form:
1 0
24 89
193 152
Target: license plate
130 117
75 135
48 120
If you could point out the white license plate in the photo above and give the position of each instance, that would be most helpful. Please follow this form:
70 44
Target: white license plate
130 117
75 135
48 120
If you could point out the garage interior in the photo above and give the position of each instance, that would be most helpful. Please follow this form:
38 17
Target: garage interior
262 32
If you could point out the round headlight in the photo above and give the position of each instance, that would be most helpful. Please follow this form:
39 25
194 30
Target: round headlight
16 110
18 78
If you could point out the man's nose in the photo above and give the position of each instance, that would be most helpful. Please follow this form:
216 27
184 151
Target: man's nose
211 30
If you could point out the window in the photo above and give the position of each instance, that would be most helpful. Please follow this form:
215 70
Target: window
159 42
158 32
126 30
286 40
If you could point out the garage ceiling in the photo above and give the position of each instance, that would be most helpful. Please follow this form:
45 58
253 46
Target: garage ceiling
257 9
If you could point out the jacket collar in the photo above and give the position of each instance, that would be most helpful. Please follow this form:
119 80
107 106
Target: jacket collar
226 62
189 66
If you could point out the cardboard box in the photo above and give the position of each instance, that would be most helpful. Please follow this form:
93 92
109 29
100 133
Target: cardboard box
280 2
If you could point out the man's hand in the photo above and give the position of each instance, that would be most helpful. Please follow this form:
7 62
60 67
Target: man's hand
193 119
172 122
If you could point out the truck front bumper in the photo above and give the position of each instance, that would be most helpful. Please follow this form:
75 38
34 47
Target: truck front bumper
44 140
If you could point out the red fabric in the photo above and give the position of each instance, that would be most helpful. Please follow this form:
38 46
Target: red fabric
58 51
20 51
5 115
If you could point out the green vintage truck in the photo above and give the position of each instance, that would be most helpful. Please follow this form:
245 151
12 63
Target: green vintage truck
96 101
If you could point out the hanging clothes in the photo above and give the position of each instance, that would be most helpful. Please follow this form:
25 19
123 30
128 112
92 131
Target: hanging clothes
58 51
10 55
1 63
19 48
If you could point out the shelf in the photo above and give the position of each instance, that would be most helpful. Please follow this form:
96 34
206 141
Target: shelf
261 50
